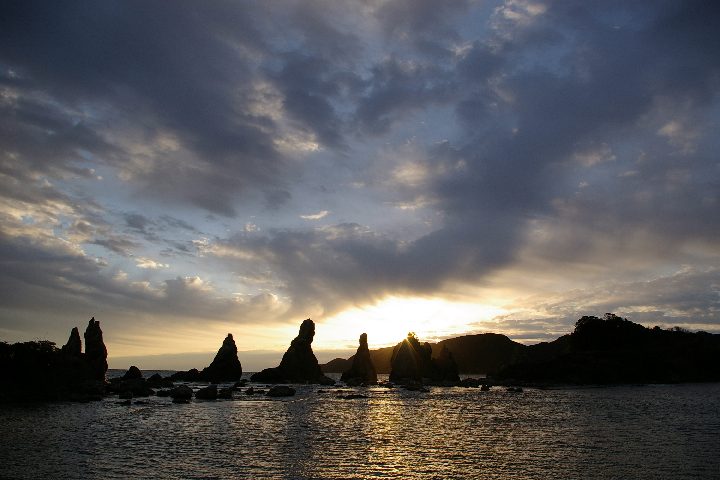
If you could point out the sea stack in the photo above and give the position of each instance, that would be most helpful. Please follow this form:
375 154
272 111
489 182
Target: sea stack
444 367
95 350
226 365
299 364
412 362
362 369
73 347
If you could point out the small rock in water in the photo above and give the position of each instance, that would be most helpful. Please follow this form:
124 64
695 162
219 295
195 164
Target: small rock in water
485 387
133 372
514 389
352 396
181 394
470 383
208 393
281 391
416 387
225 393
250 391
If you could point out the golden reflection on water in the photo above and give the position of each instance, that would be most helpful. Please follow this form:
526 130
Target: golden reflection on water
631 432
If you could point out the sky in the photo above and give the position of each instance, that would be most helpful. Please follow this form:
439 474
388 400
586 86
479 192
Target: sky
184 170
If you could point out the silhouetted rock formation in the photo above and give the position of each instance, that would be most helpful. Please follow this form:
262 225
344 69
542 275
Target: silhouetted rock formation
130 387
362 369
73 347
444 367
483 353
192 375
181 394
39 371
412 362
614 350
95 350
407 360
299 364
225 393
133 372
225 367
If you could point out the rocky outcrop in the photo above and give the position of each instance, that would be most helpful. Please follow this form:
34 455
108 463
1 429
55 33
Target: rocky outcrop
95 350
412 362
39 371
299 364
225 367
133 372
192 375
614 350
181 394
73 347
362 369
444 368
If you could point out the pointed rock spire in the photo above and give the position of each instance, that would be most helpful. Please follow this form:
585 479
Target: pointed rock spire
73 347
226 365
362 369
299 364
95 350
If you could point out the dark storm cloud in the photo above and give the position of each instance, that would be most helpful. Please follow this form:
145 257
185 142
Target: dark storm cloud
425 24
588 125
185 70
539 103
398 88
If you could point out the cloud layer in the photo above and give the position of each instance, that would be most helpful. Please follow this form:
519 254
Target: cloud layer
259 162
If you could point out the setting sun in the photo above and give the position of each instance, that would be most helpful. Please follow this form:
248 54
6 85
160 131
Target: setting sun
389 321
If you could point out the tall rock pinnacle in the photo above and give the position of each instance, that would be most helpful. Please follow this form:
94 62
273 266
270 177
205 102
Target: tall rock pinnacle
362 369
299 364
95 350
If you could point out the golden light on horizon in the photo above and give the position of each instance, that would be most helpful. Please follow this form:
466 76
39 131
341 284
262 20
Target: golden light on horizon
389 321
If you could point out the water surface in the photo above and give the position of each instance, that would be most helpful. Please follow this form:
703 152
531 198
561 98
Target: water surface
653 432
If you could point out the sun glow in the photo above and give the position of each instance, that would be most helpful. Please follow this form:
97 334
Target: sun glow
389 321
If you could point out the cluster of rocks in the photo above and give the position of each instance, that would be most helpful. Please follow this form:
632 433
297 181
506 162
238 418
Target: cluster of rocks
132 384
39 371
412 362
69 373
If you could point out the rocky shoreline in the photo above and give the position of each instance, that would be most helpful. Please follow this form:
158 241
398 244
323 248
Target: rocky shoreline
607 351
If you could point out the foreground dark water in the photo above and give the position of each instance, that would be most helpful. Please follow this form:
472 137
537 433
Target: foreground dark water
653 432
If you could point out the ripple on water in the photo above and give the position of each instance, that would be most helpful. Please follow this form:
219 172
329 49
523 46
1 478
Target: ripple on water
622 432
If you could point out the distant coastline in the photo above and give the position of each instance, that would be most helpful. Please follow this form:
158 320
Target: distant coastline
600 351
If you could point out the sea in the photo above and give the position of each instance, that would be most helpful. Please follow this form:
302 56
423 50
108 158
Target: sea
622 432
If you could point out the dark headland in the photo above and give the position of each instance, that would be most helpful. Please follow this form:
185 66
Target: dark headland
600 351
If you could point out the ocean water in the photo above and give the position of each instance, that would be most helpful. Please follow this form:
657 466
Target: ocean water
629 432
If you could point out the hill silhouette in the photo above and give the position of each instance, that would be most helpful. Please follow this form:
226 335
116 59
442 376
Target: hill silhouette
614 350
483 353
608 350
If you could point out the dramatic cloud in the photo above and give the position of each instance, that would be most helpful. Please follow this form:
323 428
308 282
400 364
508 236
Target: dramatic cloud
260 162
